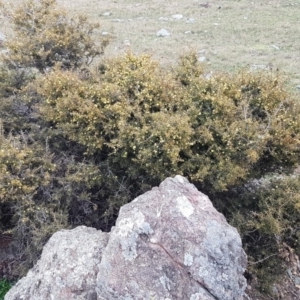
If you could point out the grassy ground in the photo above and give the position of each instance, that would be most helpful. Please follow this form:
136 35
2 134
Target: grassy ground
230 34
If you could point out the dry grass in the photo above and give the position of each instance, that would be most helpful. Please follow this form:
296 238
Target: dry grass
229 33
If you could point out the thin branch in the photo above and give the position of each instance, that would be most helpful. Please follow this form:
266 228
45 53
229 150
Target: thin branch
261 260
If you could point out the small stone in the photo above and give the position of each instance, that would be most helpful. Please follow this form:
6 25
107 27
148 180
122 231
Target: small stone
177 16
205 5
201 58
190 20
163 33
126 43
275 47
105 33
259 67
163 19
106 14
187 32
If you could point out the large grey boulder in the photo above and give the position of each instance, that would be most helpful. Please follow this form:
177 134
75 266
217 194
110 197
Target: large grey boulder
67 268
169 243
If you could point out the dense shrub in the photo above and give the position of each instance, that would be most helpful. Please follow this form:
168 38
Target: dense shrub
244 125
25 172
42 193
14 111
267 214
219 131
46 35
127 112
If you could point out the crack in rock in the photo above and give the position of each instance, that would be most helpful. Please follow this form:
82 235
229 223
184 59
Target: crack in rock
182 266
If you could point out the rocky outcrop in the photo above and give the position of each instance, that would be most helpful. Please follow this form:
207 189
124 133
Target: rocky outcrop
67 268
169 243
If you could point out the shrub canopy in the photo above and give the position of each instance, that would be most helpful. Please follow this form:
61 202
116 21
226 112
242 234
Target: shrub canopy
46 35
219 131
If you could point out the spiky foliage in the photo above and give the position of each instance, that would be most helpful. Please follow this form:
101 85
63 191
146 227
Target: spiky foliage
266 213
15 111
219 131
41 193
244 126
46 35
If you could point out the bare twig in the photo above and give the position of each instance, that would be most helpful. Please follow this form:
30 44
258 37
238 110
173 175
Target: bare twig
261 260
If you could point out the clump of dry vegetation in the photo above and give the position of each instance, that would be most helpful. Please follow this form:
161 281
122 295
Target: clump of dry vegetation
79 141
46 35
